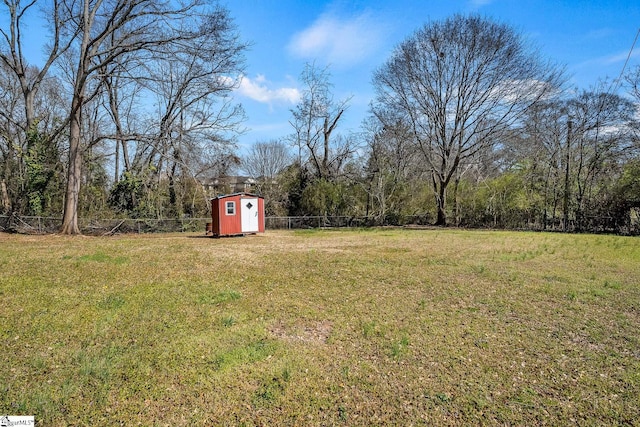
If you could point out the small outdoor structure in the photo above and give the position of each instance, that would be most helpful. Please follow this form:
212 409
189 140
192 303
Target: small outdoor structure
236 214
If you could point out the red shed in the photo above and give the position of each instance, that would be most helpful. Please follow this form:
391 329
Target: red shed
238 213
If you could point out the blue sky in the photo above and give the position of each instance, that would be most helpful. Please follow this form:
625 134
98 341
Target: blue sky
591 38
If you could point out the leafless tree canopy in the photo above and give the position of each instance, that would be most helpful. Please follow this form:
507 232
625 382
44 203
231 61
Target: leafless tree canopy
315 120
267 159
191 51
461 84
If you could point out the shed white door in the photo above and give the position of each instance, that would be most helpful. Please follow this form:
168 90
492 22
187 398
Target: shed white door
249 215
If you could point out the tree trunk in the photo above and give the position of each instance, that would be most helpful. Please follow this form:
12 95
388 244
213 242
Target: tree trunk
4 194
565 202
441 220
173 197
116 173
441 199
456 205
74 173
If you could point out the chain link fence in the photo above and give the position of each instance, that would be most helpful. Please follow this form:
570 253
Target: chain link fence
47 225
302 222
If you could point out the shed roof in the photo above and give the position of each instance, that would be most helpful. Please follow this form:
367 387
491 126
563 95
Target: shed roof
242 193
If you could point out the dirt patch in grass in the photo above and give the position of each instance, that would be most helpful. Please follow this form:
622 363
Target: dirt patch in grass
311 333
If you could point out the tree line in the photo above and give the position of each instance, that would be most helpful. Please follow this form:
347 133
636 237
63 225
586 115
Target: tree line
131 112
137 88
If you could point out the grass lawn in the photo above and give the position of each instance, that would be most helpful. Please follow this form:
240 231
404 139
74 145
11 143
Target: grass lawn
350 327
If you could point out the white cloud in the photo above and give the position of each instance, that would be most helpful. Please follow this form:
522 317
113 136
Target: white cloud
619 57
599 34
522 90
339 41
610 60
259 89
480 3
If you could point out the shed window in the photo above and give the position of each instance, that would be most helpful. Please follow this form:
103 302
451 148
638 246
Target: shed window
231 208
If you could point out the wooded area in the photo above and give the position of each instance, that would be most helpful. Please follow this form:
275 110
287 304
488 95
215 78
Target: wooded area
130 114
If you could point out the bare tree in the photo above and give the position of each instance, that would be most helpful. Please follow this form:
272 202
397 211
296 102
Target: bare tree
11 140
195 119
266 159
390 164
266 162
110 30
12 55
541 141
600 142
315 120
461 84
28 119
120 99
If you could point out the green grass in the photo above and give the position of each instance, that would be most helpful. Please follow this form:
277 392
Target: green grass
351 327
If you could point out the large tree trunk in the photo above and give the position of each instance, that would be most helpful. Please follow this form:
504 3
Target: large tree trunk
440 191
4 196
442 215
74 173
